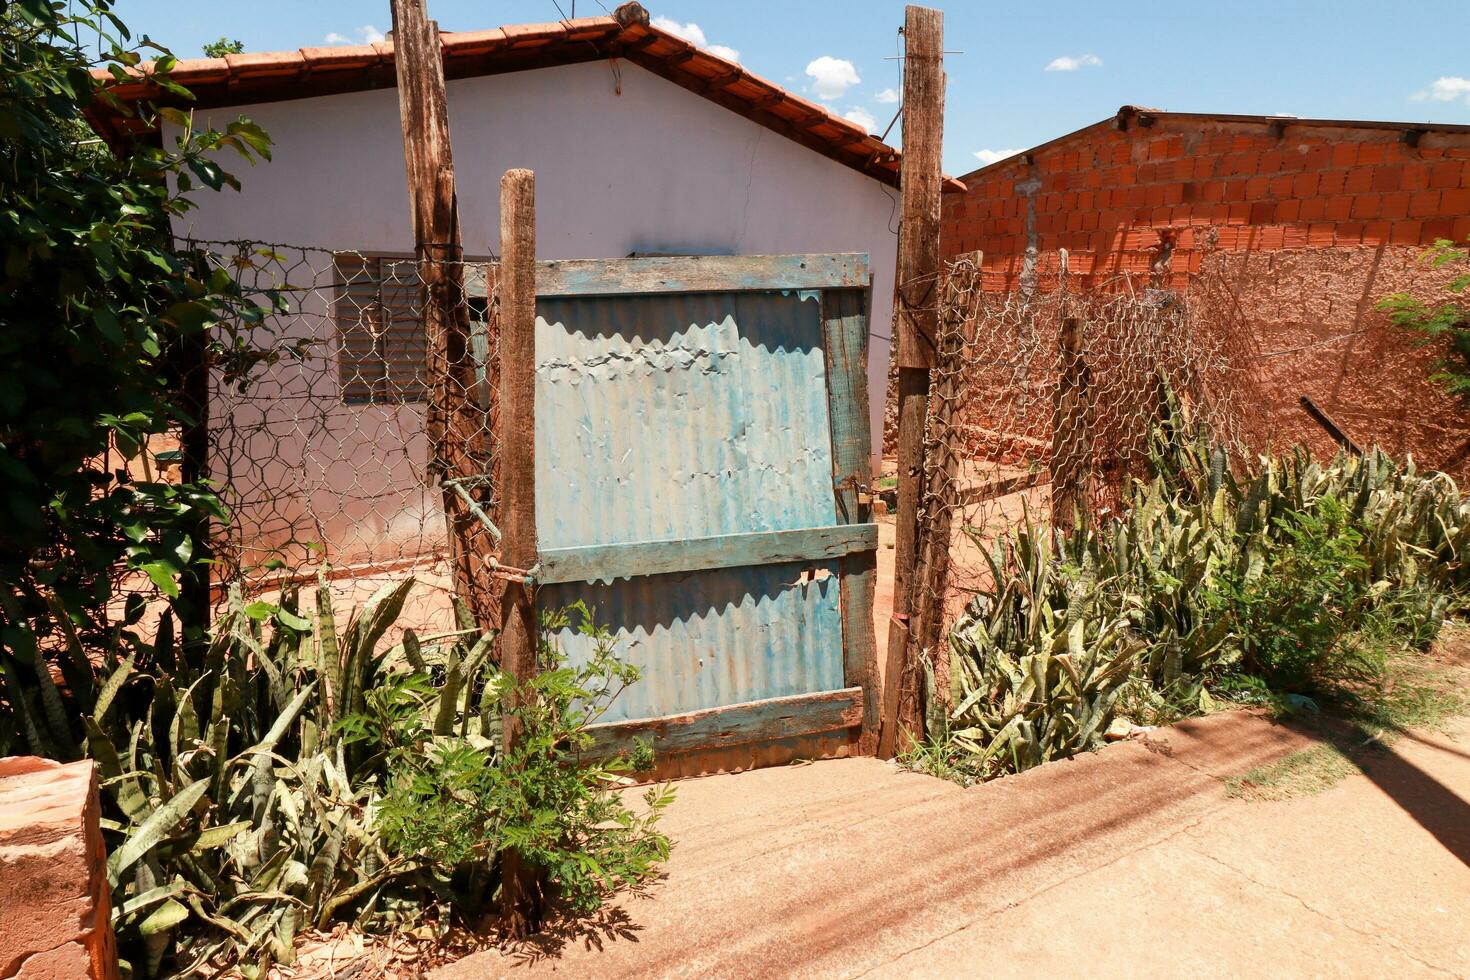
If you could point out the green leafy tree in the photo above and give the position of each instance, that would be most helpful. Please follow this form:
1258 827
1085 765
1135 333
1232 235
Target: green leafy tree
94 307
1446 324
222 47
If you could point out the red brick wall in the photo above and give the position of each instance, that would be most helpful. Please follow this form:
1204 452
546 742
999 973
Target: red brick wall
1294 237
1112 197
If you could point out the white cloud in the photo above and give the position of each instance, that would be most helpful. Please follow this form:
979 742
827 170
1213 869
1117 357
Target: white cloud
987 157
366 34
831 77
694 34
888 96
1069 63
862 117
1450 88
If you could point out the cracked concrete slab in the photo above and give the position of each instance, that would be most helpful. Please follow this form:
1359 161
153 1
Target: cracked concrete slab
1130 860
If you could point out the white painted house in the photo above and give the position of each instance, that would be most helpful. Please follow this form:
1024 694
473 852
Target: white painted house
641 143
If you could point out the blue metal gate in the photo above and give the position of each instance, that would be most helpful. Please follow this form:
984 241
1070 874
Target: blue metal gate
701 441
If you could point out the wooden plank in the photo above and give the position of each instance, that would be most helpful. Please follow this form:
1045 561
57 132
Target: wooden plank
916 302
521 890
700 274
456 426
845 328
689 273
753 721
605 562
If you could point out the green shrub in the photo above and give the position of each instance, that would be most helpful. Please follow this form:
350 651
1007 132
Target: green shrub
454 802
1282 581
1445 325
1288 605
272 788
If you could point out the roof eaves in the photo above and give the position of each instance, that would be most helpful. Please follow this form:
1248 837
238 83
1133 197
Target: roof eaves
627 33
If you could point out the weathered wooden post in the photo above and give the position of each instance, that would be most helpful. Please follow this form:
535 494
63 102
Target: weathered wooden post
941 470
520 889
458 426
916 300
1071 437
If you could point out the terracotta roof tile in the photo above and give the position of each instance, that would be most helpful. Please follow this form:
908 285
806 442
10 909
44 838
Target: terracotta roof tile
239 79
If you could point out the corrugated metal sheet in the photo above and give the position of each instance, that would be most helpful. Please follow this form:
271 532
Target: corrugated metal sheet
666 417
677 416
712 638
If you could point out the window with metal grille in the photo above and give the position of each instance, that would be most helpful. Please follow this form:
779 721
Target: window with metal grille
382 350
382 354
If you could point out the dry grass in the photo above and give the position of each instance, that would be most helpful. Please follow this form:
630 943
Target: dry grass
1420 691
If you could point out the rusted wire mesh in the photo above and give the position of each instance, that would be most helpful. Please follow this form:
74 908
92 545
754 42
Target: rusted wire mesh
1042 406
352 436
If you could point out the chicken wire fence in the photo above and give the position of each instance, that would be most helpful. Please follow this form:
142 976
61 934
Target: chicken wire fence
359 444
1043 404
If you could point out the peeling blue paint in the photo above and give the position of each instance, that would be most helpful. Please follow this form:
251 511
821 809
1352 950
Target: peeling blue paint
666 417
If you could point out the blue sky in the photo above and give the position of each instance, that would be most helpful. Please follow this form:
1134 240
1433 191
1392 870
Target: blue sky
1021 74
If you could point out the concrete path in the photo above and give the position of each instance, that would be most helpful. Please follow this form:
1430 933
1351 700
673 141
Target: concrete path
1131 862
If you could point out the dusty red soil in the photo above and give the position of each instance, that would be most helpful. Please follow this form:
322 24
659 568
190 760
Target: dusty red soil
1132 861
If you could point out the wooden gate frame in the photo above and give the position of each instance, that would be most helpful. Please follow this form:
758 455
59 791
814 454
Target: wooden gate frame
844 286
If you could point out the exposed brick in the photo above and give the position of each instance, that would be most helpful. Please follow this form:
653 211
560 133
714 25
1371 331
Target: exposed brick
1241 164
1455 202
1332 182
1367 206
1376 232
1272 237
1437 228
1395 205
1304 185
1423 204
1339 208
1388 178
1371 153
54 897
1406 233
1446 173
1358 180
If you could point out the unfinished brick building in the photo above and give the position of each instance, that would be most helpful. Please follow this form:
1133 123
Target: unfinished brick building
1295 229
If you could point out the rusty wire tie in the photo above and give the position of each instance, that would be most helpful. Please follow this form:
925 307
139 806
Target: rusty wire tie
509 573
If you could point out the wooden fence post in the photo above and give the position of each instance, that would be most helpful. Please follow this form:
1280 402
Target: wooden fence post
457 425
941 492
916 289
1071 437
521 892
